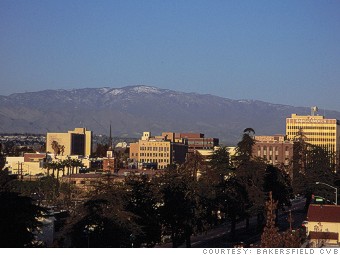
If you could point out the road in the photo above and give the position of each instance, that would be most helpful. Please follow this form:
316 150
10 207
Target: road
219 237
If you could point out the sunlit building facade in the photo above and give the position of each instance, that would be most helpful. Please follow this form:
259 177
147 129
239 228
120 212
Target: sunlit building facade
75 142
160 150
316 130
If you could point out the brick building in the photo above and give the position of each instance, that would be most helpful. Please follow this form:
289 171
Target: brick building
276 150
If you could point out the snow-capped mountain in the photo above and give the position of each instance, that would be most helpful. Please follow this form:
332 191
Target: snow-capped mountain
135 109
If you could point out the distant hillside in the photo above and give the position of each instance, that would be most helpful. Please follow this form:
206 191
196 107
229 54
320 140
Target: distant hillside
135 109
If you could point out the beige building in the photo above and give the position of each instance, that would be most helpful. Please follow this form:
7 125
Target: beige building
316 130
159 151
29 164
76 142
323 225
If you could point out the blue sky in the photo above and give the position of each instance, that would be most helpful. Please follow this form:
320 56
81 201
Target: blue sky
285 52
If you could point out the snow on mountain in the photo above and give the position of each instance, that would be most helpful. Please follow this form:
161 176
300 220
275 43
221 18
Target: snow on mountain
135 109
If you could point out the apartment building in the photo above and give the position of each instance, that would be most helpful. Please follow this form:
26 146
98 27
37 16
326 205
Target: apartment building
161 150
75 142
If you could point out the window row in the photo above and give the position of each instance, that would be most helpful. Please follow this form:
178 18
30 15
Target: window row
155 160
311 127
142 154
143 148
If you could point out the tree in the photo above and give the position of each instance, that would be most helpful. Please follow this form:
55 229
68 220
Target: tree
18 220
144 199
232 200
219 164
224 196
2 158
179 205
245 146
5 180
312 164
250 173
103 220
271 237
251 176
278 182
101 150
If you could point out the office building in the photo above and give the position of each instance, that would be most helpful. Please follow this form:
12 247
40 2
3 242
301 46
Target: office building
275 150
197 141
316 130
76 142
159 151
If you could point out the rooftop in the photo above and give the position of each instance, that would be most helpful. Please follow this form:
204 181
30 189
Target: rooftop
324 213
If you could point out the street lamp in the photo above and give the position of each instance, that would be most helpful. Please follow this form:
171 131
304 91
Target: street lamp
336 191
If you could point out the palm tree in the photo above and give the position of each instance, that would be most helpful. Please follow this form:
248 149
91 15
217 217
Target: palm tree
76 163
48 167
53 166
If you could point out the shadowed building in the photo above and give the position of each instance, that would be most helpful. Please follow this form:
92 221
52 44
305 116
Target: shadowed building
197 141
275 150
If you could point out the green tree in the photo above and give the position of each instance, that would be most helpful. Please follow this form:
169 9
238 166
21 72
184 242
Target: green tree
312 164
103 220
278 182
219 165
144 200
101 150
226 194
6 180
250 173
232 200
179 205
2 158
18 220
244 147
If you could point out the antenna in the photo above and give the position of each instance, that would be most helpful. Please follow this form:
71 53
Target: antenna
110 142
314 109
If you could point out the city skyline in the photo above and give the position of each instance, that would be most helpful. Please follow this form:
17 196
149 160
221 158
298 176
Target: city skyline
279 52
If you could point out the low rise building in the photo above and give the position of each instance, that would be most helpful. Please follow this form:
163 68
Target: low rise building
323 225
197 141
29 164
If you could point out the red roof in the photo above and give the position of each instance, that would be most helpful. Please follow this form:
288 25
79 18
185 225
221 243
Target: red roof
323 235
324 213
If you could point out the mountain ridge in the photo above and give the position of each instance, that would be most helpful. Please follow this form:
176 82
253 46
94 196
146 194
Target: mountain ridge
134 109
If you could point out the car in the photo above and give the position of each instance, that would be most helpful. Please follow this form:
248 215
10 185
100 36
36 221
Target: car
304 223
